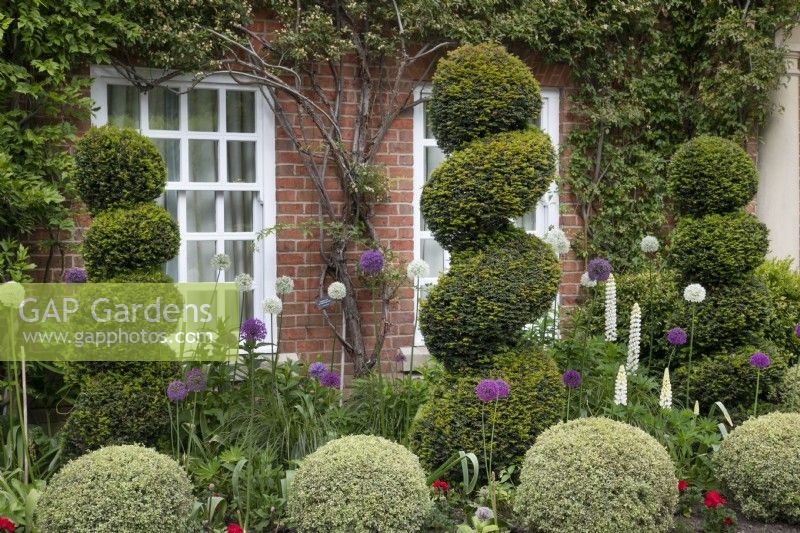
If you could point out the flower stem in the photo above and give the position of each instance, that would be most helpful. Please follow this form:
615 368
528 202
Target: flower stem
758 382
691 348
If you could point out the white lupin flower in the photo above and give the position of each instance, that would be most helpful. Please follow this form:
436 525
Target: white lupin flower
337 290
11 294
587 282
665 400
649 244
284 285
634 338
557 239
272 305
245 282
417 269
611 309
694 293
221 262
621 387
696 408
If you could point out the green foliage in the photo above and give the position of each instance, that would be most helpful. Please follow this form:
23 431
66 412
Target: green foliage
481 186
119 489
14 262
596 474
783 285
487 297
711 175
118 168
789 390
479 91
125 239
359 483
758 464
451 420
718 249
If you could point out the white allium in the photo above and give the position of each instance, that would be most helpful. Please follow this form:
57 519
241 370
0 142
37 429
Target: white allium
621 387
417 269
221 262
337 290
587 282
694 293
11 294
696 408
649 244
245 282
557 239
272 305
284 285
665 400
634 338
611 309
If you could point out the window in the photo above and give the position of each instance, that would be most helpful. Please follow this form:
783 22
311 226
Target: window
217 139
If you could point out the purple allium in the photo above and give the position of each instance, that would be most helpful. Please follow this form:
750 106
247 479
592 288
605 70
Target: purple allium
571 379
253 329
75 275
317 370
330 380
399 357
484 514
797 330
177 391
196 380
677 337
503 390
487 391
371 262
760 360
599 269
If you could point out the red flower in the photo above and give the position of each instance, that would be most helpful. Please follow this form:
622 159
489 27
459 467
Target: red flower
441 486
683 485
7 525
235 528
728 521
714 499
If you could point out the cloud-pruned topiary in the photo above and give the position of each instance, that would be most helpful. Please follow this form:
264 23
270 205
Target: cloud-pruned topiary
481 186
117 489
479 90
359 483
118 168
596 474
759 464
711 175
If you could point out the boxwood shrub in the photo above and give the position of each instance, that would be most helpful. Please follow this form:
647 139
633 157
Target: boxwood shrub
783 285
789 390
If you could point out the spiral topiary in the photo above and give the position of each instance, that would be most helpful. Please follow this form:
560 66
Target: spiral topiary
359 483
117 489
596 474
759 464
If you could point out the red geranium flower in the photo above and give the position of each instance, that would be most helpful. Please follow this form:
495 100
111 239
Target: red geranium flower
441 486
714 499
728 521
683 485
7 525
235 528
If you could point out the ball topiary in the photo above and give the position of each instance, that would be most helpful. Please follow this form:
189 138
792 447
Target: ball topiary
711 175
759 464
478 188
451 419
125 239
596 474
118 489
359 483
118 168
789 390
719 248
480 90
487 297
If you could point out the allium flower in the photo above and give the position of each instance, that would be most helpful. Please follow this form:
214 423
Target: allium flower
196 380
665 400
682 485
284 285
634 338
440 486
503 390
611 309
694 293
221 262
245 282
337 290
714 499
7 525
177 391
649 244
571 379
621 387
253 330
272 305
760 360
371 262
11 294
599 269
797 330
486 390
417 269
316 370
587 282
75 275
330 380
234 528
677 337
484 514
557 239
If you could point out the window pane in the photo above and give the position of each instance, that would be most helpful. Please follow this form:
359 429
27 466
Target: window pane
241 162
169 201
239 210
163 105
171 152
202 160
433 254
240 111
201 211
203 110
199 254
123 106
241 254
528 220
433 158
427 115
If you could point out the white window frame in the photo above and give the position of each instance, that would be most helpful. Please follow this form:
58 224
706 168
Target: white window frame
264 214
